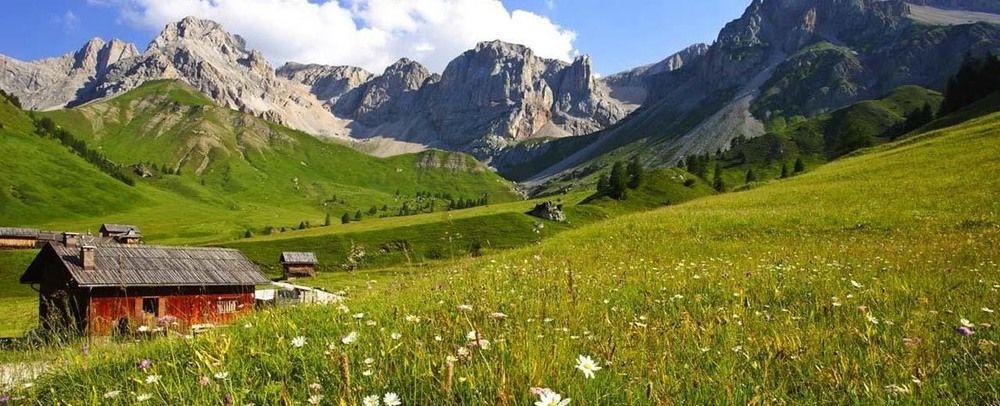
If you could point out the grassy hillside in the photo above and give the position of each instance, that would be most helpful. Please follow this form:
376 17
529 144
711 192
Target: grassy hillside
212 173
816 140
843 285
822 138
462 233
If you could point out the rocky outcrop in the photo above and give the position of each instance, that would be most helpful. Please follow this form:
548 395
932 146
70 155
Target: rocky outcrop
69 79
548 211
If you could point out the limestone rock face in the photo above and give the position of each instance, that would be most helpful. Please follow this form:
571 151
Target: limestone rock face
385 98
68 79
633 85
217 63
488 98
199 52
784 58
501 93
328 83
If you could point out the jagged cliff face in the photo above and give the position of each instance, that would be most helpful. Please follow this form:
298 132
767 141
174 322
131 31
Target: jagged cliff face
218 64
200 52
784 58
55 82
488 98
633 85
328 83
386 98
508 94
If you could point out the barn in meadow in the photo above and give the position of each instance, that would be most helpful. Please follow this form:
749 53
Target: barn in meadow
97 285
298 264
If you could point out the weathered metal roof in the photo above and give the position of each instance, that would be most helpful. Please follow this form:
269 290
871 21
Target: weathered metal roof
151 265
118 228
18 232
298 258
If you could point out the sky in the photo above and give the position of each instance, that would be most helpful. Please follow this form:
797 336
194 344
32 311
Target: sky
617 34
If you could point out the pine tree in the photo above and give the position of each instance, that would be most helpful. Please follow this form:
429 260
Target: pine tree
302 225
618 182
784 170
357 216
346 218
976 79
603 185
799 165
718 184
751 177
635 173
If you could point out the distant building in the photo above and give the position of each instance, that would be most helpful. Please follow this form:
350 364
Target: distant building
18 238
98 287
114 230
281 294
298 264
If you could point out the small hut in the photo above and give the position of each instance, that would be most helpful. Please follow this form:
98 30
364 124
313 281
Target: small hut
98 287
18 238
115 230
298 264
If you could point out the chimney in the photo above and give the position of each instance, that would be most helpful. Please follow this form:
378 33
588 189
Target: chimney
70 239
87 258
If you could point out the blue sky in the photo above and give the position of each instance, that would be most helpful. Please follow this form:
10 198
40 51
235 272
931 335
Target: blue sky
618 34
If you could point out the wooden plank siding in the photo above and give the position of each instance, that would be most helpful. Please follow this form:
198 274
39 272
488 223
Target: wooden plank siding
108 307
17 242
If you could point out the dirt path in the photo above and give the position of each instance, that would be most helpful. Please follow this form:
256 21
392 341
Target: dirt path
18 373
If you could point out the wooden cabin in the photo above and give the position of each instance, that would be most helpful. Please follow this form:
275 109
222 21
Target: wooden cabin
115 230
106 287
298 264
18 238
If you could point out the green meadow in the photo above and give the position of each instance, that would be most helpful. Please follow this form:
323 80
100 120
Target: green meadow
212 173
871 279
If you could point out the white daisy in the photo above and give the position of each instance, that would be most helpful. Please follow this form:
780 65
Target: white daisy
587 365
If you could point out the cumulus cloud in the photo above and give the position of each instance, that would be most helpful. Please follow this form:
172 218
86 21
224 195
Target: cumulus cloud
368 33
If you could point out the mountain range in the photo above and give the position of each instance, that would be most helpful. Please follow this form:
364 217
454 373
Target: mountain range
546 122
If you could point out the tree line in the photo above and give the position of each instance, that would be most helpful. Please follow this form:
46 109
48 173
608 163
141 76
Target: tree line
622 178
48 128
977 78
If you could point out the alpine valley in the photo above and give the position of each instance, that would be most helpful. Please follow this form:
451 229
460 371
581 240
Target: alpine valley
803 211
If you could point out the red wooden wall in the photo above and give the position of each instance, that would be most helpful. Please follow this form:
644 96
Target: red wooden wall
105 309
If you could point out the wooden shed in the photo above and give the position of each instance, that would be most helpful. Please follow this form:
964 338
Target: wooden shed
108 287
18 238
298 264
115 230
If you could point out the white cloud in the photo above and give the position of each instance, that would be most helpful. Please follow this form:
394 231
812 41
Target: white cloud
368 33
69 21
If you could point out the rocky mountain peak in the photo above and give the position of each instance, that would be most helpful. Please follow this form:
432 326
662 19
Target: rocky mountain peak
405 74
196 30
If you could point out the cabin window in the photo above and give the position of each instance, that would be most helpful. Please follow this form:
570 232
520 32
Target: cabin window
151 305
226 306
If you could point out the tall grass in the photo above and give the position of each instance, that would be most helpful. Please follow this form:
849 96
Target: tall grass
844 285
